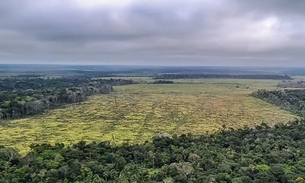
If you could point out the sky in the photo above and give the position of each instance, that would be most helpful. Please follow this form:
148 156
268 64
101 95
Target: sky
153 32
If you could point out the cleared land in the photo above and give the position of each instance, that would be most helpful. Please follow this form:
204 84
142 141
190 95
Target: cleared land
134 113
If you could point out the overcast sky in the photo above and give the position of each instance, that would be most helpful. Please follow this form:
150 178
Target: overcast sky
153 32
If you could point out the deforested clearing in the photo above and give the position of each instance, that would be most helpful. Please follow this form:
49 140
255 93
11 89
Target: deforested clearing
135 113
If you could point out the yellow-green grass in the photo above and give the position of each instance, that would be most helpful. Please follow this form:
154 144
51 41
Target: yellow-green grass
134 113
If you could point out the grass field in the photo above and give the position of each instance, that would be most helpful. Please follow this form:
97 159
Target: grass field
134 113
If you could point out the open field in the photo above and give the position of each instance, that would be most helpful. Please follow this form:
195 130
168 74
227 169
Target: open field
134 113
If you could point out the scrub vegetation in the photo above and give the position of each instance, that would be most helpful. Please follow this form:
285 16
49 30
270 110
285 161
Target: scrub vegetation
136 113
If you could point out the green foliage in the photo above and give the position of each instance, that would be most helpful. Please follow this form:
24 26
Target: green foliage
263 168
291 100
163 82
20 97
235 76
229 156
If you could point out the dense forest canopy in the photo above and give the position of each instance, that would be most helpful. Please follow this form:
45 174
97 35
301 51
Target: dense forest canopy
163 82
291 84
259 155
292 100
235 76
20 97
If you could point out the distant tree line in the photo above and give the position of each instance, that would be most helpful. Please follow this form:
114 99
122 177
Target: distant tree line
163 82
22 97
198 76
291 84
291 100
28 76
259 155
25 83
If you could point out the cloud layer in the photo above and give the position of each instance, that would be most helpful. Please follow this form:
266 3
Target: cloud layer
180 32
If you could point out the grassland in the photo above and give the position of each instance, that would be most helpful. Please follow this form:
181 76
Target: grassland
134 113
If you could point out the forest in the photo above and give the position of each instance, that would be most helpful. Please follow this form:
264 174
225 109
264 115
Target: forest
291 84
259 155
291 100
163 82
20 97
229 76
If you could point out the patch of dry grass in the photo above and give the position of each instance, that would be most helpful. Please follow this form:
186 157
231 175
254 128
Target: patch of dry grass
134 113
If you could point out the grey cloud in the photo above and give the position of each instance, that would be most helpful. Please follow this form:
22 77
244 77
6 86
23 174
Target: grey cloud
234 32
